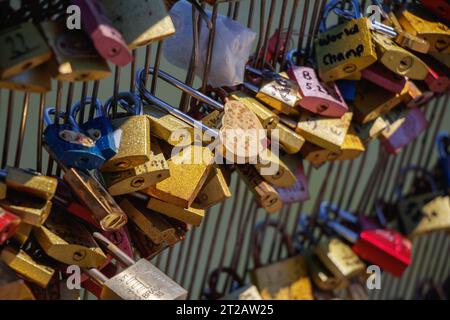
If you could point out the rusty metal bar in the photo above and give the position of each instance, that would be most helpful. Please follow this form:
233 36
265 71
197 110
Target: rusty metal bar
23 122
7 132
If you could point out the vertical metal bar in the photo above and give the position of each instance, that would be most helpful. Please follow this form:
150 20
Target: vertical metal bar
280 32
301 34
133 71
59 86
148 58
261 32
94 98
156 67
23 122
209 52
117 72
356 183
7 134
236 10
39 133
289 31
267 33
250 14
84 90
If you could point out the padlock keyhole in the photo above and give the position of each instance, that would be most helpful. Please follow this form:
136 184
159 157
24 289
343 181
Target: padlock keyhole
136 183
122 164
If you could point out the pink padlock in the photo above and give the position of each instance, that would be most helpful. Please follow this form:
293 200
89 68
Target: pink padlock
318 97
384 78
8 225
438 77
106 38
298 192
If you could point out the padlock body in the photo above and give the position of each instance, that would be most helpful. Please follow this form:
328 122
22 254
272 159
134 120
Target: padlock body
101 131
384 78
8 225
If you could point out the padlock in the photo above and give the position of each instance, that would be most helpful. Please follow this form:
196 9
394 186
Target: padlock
328 133
274 170
443 145
283 280
214 190
438 75
27 267
417 22
110 270
134 148
155 227
3 188
12 287
346 48
299 191
189 170
266 195
22 234
397 59
238 291
69 146
23 48
317 97
190 215
441 8
423 213
37 80
372 101
8 225
99 202
404 125
269 120
289 140
347 88
384 78
321 276
142 24
67 241
370 130
318 156
139 281
75 58
415 97
30 209
99 129
30 181
139 177
443 58
213 119
107 40
276 91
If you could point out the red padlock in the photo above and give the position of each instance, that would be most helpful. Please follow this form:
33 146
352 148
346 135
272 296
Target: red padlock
384 78
437 79
8 225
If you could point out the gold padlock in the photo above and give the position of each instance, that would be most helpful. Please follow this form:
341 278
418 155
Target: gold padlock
370 130
191 215
32 183
399 60
213 119
23 233
436 217
345 49
23 48
352 147
318 156
139 177
37 80
189 170
328 133
268 119
321 276
417 22
140 23
215 190
372 101
75 58
26 266
274 170
30 209
12 287
289 140
154 226
406 39
354 76
169 128
67 241
394 120
266 196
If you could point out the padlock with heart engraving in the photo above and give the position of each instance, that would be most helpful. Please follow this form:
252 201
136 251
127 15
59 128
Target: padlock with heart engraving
69 145
443 144
99 129
134 129
346 48
74 56
106 38
24 48
423 213
238 291
319 97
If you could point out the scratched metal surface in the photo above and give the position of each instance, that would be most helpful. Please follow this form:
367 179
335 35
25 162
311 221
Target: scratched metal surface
223 239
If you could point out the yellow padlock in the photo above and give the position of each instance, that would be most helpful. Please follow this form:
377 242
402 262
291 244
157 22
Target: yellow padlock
289 140
31 182
274 170
406 39
37 80
215 190
370 130
23 233
190 215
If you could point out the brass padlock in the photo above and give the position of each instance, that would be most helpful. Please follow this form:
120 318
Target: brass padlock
189 170
215 189
274 170
268 119
406 39
212 119
23 233
140 23
23 48
417 22
139 177
399 60
191 215
299 191
75 58
26 266
321 276
12 287
66 240
370 130
37 80
31 182
328 133
289 140
266 196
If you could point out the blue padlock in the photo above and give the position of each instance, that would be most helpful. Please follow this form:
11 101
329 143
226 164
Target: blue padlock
69 145
98 129
443 144
347 89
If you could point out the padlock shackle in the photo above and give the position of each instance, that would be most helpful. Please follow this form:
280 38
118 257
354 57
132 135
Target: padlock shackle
402 177
114 250
77 107
96 275
326 208
349 235
48 111
333 6
255 246
214 279
129 101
